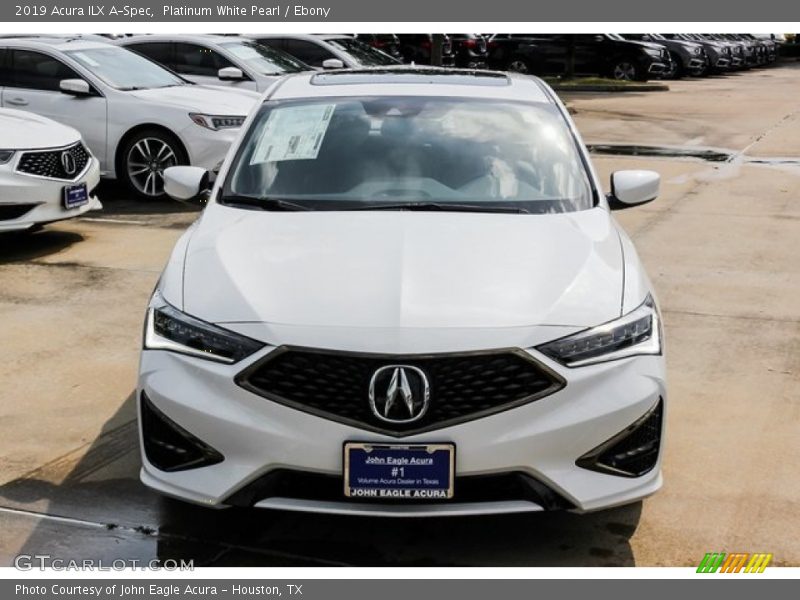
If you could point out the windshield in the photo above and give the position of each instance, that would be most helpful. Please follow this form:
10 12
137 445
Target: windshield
362 53
263 59
356 153
123 69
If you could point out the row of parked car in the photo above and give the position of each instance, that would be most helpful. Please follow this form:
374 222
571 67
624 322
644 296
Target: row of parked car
128 108
621 56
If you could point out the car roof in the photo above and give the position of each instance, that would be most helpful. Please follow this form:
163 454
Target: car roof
300 36
407 81
181 37
62 43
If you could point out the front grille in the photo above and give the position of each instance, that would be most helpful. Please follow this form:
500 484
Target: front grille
51 163
304 485
335 385
631 453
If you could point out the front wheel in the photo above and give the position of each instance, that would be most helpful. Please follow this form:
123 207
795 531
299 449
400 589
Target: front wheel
626 70
519 65
144 158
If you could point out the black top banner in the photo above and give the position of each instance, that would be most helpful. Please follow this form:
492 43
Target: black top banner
477 11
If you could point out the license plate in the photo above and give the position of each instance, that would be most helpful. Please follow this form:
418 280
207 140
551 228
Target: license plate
407 472
75 195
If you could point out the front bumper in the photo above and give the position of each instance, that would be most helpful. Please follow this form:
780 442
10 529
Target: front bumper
27 200
541 440
207 148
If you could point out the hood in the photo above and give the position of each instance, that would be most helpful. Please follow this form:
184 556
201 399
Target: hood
210 100
27 131
395 269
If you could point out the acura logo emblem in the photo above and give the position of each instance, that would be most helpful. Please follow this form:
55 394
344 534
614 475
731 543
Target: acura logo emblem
68 162
399 393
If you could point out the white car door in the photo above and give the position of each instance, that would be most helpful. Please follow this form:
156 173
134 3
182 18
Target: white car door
33 85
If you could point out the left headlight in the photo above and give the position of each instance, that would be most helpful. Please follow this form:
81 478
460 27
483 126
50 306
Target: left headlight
636 333
5 156
167 328
217 122
653 52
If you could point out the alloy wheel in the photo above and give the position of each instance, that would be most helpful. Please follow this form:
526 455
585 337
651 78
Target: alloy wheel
146 162
624 71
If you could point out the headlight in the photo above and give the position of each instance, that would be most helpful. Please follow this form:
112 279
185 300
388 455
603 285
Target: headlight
167 328
216 122
653 52
5 156
638 332
697 50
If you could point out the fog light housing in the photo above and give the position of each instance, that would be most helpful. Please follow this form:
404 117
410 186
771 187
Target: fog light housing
168 446
633 452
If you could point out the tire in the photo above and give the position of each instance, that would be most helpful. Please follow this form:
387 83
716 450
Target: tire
624 69
677 71
143 158
518 64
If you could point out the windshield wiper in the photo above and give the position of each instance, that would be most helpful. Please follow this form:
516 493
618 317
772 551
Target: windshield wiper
275 204
443 207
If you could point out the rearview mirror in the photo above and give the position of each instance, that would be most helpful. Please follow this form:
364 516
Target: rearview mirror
332 63
230 74
76 87
629 188
187 184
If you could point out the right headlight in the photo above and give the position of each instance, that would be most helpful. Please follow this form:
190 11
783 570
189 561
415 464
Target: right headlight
168 328
633 334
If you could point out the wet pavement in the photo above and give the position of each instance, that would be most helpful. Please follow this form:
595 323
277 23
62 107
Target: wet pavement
719 245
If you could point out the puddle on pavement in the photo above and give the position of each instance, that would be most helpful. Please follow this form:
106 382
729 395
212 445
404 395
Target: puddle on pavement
707 154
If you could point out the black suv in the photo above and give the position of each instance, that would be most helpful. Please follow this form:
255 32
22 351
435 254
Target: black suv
416 48
514 52
687 58
606 55
469 50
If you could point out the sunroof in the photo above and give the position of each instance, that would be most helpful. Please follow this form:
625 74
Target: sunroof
410 76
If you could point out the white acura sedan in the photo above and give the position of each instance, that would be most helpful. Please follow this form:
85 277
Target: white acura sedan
136 117
405 297
46 172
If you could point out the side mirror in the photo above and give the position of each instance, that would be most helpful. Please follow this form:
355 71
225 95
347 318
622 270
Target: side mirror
629 188
76 87
230 74
332 63
187 184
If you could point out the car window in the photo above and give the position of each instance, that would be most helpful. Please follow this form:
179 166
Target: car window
263 59
5 68
193 59
160 52
308 52
124 70
412 149
363 53
37 71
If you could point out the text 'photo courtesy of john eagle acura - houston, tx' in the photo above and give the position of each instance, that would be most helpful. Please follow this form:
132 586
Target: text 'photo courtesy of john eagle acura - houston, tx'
406 296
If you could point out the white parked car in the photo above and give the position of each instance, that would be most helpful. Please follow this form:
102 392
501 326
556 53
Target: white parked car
135 116
444 319
217 59
46 172
329 51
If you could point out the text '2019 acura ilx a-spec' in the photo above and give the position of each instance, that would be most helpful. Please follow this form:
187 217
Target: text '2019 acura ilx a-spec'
406 296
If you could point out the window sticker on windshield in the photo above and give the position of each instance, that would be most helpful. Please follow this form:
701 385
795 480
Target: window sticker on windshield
293 133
